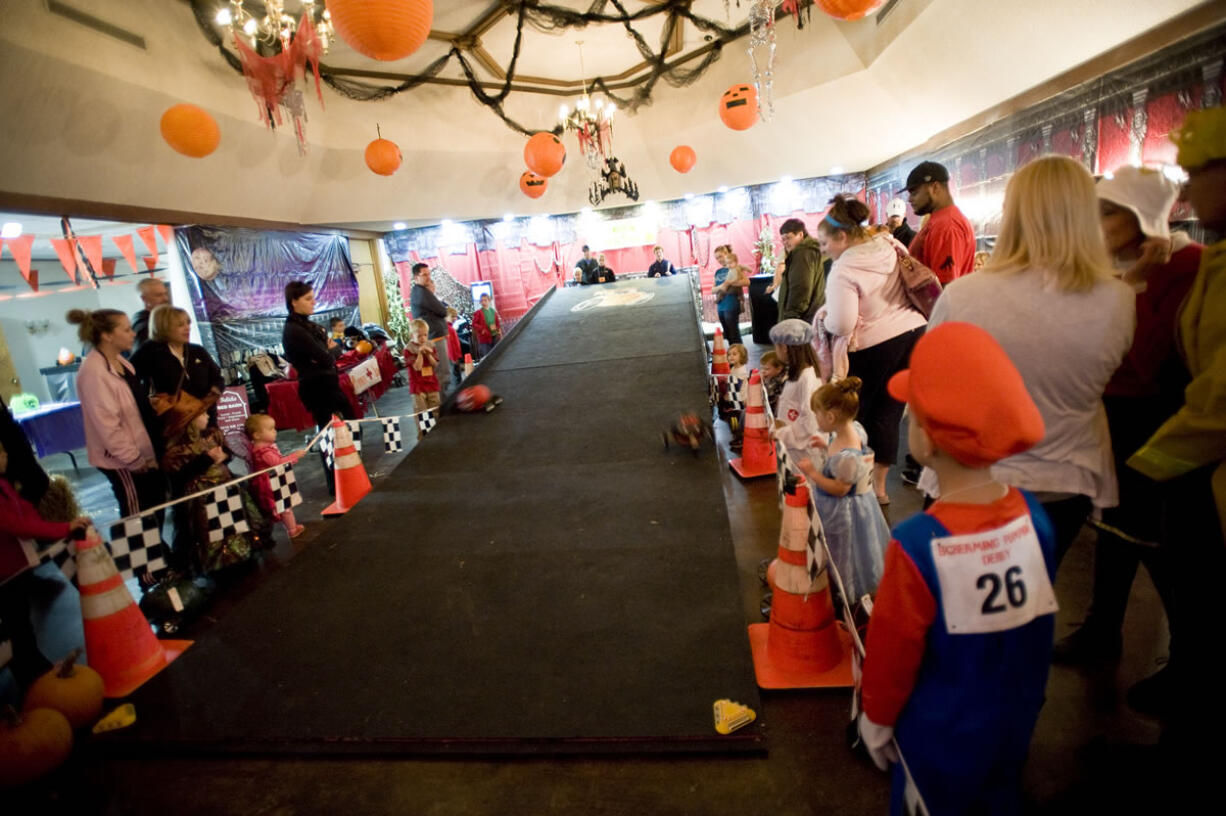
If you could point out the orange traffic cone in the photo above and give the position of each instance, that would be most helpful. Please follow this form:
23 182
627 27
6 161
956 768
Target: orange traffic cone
468 364
757 450
719 354
803 646
119 643
352 483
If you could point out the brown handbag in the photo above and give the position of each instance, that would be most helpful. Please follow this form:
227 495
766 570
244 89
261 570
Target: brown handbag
920 283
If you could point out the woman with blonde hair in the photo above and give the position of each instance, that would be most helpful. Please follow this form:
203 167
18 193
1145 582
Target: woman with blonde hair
1048 296
730 279
169 361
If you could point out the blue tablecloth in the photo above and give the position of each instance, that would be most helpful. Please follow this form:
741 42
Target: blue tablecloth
55 427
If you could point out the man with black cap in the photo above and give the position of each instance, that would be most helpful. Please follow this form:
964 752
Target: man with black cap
946 242
587 269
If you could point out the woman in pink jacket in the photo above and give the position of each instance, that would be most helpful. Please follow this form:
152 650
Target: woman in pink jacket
864 295
116 411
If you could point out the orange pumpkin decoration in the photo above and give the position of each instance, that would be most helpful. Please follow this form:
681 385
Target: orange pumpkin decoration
532 185
848 9
190 130
364 347
682 158
738 107
74 691
32 745
545 154
383 157
385 30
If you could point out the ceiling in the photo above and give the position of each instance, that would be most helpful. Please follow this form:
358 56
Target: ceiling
79 115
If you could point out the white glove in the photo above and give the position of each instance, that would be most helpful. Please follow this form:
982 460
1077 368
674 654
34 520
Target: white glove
879 740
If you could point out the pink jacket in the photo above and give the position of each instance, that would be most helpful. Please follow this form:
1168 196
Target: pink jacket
265 455
864 286
20 519
115 434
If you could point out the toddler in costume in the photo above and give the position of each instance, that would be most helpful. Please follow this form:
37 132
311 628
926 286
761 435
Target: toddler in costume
262 432
795 423
856 532
421 360
961 633
774 375
738 362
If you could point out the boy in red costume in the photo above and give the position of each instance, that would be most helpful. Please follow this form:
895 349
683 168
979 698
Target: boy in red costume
961 634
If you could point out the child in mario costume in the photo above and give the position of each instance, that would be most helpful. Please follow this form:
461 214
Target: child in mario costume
961 634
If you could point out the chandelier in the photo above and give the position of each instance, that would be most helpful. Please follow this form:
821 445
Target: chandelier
613 181
276 26
592 122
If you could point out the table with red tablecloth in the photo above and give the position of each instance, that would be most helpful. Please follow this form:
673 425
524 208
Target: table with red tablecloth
288 411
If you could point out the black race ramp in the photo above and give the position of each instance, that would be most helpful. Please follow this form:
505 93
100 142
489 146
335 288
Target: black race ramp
542 579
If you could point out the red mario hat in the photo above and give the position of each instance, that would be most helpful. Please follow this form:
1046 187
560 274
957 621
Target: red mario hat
968 396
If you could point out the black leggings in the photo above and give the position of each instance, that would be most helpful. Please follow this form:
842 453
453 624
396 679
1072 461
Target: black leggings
880 413
135 491
731 322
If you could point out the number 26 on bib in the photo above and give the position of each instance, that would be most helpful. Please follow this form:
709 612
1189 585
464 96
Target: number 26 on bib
994 580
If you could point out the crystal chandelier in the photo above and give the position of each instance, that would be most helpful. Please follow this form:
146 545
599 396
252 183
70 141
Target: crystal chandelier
592 122
277 26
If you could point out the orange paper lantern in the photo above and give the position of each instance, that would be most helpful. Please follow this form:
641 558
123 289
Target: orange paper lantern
383 157
382 29
190 130
532 185
738 107
545 154
848 9
682 158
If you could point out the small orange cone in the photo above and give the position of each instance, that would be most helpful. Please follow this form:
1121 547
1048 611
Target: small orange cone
719 355
119 643
352 483
803 646
757 450
468 364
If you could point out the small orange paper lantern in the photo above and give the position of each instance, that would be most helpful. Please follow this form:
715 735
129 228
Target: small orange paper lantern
385 30
532 185
545 154
848 9
190 130
383 157
682 158
738 107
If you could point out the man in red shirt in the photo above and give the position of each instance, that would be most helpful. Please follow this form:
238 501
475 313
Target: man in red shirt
946 242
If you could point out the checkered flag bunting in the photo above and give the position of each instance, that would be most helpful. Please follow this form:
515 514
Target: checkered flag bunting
284 486
137 549
355 430
712 390
426 421
62 552
734 401
328 446
225 514
392 440
815 544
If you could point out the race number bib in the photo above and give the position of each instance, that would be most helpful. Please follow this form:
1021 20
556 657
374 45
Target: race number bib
993 581
427 371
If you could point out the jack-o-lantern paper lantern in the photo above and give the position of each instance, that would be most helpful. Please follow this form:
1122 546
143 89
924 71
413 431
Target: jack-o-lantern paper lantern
532 185
386 30
383 157
545 154
682 158
738 107
848 9
190 130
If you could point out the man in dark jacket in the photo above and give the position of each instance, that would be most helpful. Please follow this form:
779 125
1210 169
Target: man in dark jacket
896 220
425 305
153 293
802 289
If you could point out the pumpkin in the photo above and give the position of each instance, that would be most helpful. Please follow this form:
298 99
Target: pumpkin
545 154
532 185
848 9
32 744
74 691
364 347
190 130
682 158
383 157
738 107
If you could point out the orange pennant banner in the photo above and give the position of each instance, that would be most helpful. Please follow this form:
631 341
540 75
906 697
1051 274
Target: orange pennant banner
149 236
108 267
124 242
168 234
20 247
67 254
151 262
92 246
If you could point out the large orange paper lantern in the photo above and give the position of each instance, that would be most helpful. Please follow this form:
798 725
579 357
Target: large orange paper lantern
382 29
532 185
738 107
383 157
190 130
545 154
848 9
682 158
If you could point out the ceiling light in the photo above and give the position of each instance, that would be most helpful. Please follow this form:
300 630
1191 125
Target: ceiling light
224 17
509 217
446 222
785 180
689 196
399 225
837 170
11 229
723 188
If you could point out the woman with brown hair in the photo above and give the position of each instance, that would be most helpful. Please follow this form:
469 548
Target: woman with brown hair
865 295
730 279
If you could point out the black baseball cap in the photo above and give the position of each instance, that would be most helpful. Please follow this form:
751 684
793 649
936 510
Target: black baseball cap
924 173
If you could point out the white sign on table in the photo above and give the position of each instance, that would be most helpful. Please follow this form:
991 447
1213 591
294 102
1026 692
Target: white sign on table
365 374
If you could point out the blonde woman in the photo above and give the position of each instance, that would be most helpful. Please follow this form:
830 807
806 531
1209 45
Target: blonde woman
1048 296
730 279
169 360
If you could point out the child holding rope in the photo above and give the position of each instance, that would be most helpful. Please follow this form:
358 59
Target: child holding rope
421 360
262 432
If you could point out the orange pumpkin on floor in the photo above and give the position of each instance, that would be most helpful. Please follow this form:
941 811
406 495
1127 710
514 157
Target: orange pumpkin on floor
532 185
74 691
738 107
32 744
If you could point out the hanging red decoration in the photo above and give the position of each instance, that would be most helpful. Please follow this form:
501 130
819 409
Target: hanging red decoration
738 107
385 30
273 80
848 9
545 154
383 157
190 130
532 185
682 158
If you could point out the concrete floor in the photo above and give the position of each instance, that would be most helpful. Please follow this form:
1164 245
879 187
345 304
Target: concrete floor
1079 759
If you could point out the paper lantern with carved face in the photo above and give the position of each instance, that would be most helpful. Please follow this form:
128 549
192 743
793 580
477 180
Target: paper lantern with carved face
544 154
738 107
532 185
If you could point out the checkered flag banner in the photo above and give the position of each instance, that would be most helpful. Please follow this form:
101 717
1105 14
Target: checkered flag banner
225 513
284 486
328 446
137 549
734 401
426 421
712 390
782 466
392 440
355 428
62 552
815 544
